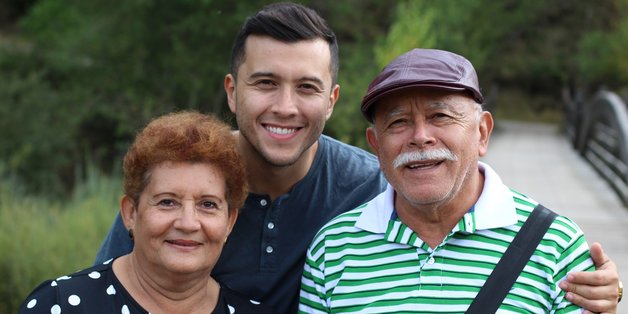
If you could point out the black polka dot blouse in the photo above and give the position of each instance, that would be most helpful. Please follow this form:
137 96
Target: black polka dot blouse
97 290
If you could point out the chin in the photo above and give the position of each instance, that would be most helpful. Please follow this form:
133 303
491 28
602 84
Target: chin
184 266
281 161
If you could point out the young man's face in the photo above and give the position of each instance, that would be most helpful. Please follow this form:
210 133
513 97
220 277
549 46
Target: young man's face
282 97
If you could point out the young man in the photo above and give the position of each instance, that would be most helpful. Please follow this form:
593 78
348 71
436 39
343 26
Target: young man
282 88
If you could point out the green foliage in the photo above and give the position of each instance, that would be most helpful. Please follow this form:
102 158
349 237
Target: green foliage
89 74
413 27
602 57
357 24
44 239
81 77
530 47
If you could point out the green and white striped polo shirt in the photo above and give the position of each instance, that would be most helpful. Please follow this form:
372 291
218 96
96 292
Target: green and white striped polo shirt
365 262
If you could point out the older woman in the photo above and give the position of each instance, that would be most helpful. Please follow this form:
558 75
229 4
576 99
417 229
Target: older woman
183 184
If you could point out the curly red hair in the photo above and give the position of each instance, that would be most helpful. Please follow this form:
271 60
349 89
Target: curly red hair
186 136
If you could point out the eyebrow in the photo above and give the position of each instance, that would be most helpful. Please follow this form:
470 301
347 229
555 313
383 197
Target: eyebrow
447 106
262 74
312 79
439 104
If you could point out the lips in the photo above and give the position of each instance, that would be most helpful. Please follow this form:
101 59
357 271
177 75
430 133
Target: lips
186 243
424 164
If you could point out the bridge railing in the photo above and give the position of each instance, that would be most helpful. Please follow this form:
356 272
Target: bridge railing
598 129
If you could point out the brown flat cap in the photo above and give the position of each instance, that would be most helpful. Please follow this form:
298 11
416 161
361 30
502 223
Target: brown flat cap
423 68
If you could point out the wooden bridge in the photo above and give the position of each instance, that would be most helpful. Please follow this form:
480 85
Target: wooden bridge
579 171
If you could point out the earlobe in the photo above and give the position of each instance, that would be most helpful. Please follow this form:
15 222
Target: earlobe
230 90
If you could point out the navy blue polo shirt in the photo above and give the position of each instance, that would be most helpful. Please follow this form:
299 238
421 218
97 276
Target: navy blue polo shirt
264 255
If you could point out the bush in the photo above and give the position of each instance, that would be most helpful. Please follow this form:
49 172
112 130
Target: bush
42 239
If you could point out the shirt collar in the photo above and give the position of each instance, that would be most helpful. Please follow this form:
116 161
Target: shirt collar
495 207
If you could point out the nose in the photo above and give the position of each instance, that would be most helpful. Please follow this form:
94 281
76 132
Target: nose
187 220
422 134
286 102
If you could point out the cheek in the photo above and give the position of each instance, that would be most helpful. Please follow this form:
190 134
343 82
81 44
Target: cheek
250 103
216 229
155 223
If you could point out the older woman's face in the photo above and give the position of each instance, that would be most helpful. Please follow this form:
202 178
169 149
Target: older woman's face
182 219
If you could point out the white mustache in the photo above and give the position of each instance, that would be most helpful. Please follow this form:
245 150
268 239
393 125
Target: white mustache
423 155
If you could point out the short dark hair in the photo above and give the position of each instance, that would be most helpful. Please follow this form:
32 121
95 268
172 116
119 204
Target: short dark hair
286 22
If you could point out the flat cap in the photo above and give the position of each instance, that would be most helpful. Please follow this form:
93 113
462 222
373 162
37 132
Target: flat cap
423 68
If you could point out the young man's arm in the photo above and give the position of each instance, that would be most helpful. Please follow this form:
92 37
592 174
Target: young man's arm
116 243
597 291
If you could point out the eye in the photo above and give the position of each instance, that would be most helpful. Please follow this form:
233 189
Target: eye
167 203
309 88
207 204
441 116
265 84
397 122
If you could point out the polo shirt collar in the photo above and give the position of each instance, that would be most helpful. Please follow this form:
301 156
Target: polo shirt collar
495 208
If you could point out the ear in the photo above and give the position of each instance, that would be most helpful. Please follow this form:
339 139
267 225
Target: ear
333 98
230 89
371 137
128 212
233 216
486 127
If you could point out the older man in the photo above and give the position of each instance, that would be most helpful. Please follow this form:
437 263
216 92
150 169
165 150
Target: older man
429 242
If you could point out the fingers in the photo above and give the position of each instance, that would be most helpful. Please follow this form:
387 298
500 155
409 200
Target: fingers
595 291
592 305
598 256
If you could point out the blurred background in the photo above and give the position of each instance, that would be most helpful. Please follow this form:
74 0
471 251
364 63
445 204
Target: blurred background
79 78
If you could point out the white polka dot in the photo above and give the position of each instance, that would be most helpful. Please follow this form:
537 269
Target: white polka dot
55 309
111 290
31 304
254 302
231 309
94 275
53 283
74 300
125 309
64 278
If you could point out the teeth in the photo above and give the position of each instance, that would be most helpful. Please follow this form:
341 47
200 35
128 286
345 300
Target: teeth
415 166
282 131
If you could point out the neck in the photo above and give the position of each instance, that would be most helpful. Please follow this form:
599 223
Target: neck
159 291
265 178
433 222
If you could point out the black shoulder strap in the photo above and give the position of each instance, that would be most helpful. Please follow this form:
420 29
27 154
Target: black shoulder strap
513 261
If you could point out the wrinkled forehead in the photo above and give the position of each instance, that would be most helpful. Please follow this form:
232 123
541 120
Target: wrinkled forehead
404 101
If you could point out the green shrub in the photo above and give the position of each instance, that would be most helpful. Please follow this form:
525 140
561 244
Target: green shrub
42 239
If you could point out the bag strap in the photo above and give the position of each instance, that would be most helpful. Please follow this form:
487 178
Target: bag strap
513 261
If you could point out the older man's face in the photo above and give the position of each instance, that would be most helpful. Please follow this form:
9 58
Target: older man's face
428 142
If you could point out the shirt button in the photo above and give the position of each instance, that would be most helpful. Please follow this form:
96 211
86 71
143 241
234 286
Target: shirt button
263 202
430 261
269 249
271 226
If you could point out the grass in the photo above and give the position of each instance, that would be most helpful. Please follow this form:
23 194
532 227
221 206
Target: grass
42 239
